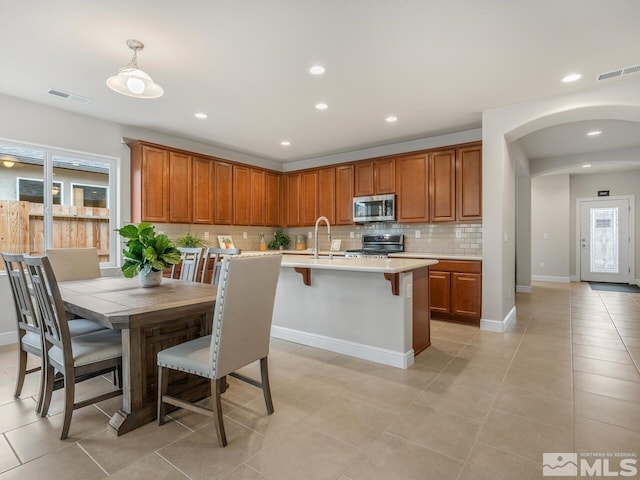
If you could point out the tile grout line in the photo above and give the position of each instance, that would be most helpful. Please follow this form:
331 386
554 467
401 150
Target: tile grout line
493 402
93 459
163 458
633 360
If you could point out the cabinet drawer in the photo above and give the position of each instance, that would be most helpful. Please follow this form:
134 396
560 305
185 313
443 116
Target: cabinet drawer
462 266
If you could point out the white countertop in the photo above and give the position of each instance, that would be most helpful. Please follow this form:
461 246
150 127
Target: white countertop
421 255
373 265
439 256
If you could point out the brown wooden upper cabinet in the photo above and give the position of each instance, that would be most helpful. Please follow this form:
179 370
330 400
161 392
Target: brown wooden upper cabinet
203 190
442 186
293 194
273 199
469 183
241 195
413 189
149 183
344 195
258 197
223 204
309 197
327 194
181 188
375 177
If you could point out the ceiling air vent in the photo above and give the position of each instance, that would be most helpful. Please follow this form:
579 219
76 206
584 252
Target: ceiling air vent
69 96
620 72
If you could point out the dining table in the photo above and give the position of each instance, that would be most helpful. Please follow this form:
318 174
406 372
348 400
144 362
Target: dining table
150 319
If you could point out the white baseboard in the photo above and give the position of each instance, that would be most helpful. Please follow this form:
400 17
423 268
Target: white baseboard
523 288
574 278
358 350
638 282
497 325
7 338
546 278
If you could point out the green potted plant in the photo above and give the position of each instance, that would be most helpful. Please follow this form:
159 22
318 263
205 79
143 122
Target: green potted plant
147 253
190 241
280 240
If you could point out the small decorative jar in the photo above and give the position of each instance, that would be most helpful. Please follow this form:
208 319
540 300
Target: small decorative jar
301 242
262 244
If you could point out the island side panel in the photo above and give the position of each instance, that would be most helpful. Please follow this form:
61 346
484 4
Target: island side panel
421 311
348 312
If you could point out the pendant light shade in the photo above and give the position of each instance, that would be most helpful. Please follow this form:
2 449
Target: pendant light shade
132 81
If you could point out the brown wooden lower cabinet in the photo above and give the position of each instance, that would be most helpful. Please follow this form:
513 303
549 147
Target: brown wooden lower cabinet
456 291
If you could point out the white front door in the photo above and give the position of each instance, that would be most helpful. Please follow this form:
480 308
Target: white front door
604 241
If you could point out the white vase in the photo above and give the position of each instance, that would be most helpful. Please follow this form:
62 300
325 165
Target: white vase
151 279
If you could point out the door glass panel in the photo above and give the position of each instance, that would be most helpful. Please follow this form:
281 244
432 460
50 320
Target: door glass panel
21 202
604 240
83 219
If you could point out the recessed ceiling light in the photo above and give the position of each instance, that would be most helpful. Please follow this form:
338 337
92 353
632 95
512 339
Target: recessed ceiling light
391 119
586 165
285 143
321 106
593 133
317 70
201 116
572 77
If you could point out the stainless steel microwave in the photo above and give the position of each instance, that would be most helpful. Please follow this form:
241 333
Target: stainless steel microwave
376 208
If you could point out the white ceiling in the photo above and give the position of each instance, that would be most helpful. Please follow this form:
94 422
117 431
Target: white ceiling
436 64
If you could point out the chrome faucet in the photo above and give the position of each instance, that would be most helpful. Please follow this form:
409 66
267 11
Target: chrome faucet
315 234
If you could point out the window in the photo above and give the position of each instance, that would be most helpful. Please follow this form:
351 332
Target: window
89 195
53 198
32 190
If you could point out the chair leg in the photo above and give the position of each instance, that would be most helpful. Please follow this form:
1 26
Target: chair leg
69 395
49 378
22 371
43 382
216 404
163 385
266 389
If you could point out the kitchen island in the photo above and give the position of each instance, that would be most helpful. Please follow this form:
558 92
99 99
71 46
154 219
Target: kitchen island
371 308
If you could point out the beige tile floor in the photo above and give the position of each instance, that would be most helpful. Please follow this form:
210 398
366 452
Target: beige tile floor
476 405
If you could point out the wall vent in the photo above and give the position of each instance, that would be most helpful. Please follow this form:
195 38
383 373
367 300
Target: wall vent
619 72
69 96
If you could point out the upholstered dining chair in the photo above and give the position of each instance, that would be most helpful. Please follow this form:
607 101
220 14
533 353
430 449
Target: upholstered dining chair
76 358
29 331
74 263
215 254
189 265
241 331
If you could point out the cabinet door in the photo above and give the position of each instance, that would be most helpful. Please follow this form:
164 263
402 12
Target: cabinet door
412 196
469 183
466 294
309 205
293 197
155 184
440 291
181 189
364 179
442 184
258 196
344 195
223 205
272 196
384 176
327 194
241 195
203 188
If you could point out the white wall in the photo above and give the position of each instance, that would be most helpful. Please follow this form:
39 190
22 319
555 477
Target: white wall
550 221
587 186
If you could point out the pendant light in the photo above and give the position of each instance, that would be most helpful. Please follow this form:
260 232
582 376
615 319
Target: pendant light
132 81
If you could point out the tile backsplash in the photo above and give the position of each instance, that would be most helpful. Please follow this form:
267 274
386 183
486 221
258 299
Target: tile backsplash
450 238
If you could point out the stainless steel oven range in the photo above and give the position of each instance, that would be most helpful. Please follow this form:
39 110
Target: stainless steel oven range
378 246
